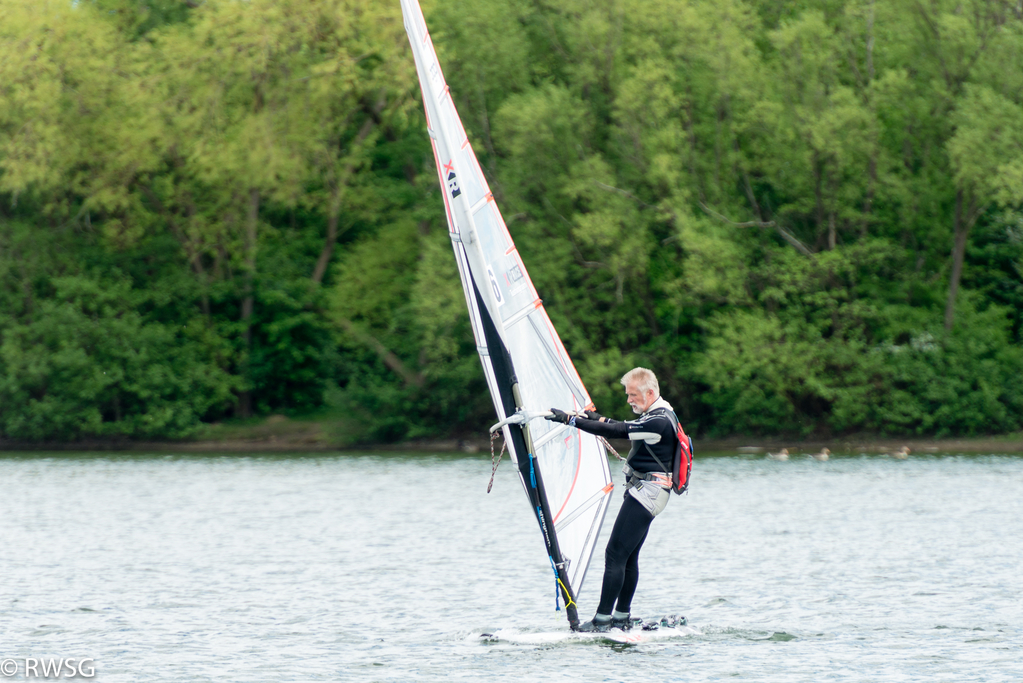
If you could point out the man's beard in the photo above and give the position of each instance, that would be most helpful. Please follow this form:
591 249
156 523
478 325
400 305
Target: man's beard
635 409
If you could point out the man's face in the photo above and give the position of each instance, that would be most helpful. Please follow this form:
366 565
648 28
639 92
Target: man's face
638 400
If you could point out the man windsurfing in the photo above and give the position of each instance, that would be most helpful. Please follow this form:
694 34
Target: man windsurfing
656 446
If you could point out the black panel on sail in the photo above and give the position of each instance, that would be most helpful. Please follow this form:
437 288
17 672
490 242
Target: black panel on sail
504 373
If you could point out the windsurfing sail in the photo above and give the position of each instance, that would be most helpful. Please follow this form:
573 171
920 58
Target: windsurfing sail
564 471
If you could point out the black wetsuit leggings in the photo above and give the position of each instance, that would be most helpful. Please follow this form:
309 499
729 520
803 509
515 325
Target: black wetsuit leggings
621 559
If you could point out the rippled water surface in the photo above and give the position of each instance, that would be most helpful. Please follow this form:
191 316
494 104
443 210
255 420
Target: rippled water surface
388 568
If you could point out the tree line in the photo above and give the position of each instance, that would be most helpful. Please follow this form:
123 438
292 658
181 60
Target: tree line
805 218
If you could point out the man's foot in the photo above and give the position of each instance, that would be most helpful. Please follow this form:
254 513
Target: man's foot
626 623
595 626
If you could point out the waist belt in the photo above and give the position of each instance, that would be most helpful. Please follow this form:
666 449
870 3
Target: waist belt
659 478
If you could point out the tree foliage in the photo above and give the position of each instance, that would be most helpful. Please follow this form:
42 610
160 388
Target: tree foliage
805 218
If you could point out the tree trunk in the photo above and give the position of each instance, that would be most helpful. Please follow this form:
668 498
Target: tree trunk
339 190
328 247
389 358
248 301
818 196
868 202
870 44
961 228
194 255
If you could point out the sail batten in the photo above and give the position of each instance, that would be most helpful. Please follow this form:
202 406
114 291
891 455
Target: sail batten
564 472
575 514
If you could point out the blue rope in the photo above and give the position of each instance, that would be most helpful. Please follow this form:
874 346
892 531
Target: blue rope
539 515
557 602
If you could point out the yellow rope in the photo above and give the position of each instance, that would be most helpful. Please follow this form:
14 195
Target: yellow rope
568 597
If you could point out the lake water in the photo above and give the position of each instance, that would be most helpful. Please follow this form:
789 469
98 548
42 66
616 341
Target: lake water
388 568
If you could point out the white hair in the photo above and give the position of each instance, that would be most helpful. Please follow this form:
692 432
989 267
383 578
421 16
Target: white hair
645 380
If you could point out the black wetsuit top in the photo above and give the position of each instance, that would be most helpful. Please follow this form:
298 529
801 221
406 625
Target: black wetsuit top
654 427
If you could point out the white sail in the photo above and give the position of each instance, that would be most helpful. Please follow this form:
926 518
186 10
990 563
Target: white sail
507 312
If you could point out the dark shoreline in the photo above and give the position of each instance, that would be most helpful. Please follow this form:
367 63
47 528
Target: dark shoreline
309 442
